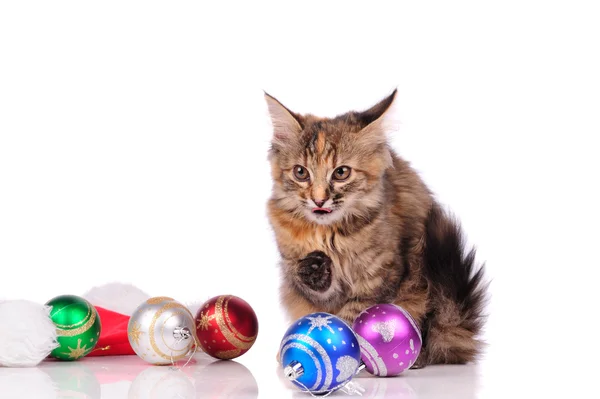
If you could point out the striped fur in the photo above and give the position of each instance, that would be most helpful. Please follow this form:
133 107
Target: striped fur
386 240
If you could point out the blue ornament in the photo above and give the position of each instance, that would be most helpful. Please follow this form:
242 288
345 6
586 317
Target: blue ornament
320 353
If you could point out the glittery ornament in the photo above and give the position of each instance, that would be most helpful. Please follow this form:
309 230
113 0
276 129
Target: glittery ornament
226 327
320 353
160 331
78 326
390 341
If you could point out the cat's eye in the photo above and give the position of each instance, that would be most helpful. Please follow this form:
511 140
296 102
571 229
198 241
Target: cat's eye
300 173
341 173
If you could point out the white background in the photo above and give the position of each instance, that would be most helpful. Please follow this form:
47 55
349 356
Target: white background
133 139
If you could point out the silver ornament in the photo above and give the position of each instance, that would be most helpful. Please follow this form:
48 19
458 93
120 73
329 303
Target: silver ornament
161 331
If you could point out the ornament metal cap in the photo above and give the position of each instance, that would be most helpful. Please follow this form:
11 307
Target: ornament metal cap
361 367
182 333
294 370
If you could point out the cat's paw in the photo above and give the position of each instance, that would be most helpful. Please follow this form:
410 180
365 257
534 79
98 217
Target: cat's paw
419 364
315 271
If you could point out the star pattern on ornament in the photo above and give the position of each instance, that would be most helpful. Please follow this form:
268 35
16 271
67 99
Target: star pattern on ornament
76 353
319 322
135 333
204 321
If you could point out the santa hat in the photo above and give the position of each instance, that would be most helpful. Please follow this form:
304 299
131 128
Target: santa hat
27 335
115 304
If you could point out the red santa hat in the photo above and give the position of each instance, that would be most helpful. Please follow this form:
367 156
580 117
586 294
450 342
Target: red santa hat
115 304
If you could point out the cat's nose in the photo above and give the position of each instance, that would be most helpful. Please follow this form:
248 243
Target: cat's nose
320 203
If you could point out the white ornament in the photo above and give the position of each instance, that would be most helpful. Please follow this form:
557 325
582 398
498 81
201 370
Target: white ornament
161 331
27 334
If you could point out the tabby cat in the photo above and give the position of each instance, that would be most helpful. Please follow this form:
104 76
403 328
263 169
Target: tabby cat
356 226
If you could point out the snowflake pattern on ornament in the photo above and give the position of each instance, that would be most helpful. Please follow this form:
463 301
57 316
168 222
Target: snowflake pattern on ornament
319 322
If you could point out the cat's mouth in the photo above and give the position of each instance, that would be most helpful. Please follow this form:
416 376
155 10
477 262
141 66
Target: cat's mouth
321 211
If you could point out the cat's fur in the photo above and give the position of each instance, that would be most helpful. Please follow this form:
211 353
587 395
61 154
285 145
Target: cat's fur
386 240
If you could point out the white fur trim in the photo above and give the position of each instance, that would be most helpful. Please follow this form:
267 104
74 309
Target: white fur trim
194 306
118 297
27 334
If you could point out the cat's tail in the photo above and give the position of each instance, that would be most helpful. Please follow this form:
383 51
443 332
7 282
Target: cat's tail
458 292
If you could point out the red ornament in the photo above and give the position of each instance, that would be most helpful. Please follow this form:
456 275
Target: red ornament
226 327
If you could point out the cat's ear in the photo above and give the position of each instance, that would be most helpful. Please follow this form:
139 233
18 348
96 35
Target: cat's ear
377 121
286 124
378 111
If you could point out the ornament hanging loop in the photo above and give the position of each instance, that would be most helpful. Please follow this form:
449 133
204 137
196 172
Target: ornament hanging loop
182 334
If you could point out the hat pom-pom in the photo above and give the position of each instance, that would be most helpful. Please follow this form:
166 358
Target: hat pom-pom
27 334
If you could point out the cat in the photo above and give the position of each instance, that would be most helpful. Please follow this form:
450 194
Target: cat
356 226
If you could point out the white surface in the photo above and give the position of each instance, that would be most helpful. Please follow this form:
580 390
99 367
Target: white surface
129 377
254 375
133 140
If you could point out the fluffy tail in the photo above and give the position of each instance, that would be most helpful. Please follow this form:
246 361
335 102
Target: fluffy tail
457 293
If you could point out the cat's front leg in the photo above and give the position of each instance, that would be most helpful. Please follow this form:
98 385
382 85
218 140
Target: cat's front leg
350 311
312 273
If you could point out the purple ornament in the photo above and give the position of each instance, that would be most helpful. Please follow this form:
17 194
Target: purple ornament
389 339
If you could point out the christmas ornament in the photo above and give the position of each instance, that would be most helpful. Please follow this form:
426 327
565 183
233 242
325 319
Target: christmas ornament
27 334
226 327
389 338
160 331
78 326
320 353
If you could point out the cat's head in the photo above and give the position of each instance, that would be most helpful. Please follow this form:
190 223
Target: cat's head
329 169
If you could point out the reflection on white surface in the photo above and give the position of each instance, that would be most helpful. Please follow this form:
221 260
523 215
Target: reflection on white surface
162 382
376 388
26 383
129 377
225 379
73 380
431 382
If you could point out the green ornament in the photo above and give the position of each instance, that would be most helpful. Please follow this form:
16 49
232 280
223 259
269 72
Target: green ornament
77 326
